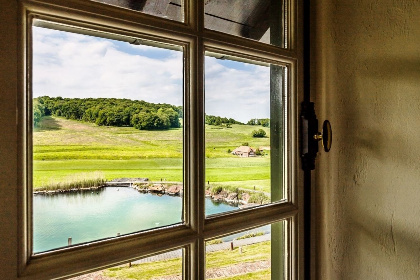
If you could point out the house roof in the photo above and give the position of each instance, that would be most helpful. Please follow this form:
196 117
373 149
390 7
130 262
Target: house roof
243 149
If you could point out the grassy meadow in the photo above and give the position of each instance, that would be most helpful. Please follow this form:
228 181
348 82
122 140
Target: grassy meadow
65 147
214 261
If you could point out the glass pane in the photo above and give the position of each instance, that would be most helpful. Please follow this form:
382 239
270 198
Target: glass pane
166 266
260 20
244 106
170 9
107 138
255 254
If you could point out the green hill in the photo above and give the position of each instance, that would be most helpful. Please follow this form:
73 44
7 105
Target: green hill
63 147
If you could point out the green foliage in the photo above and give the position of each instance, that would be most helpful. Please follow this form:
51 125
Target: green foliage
229 151
214 241
250 253
257 275
214 260
263 122
216 189
39 112
112 112
259 133
251 234
258 152
65 147
75 181
259 197
245 144
148 270
216 120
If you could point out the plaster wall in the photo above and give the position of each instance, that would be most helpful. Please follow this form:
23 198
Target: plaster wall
8 140
366 81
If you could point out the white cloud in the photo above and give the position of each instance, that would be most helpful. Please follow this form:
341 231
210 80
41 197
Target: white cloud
240 92
73 65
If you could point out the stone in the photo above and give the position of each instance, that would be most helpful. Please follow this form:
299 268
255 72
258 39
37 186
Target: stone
174 190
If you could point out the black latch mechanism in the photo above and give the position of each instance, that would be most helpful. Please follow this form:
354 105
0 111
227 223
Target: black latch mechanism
311 136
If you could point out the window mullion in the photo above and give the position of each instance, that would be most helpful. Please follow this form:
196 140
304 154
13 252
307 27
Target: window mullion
196 141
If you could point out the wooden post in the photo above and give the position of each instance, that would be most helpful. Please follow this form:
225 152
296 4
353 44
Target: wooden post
231 245
69 241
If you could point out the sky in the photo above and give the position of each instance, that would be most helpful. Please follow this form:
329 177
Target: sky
79 66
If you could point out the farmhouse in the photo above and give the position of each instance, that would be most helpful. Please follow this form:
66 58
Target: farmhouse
244 151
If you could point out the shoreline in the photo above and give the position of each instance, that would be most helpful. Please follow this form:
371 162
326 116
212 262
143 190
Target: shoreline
143 185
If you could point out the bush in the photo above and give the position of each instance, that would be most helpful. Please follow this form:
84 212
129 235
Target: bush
216 189
251 234
259 197
214 241
229 151
258 133
245 144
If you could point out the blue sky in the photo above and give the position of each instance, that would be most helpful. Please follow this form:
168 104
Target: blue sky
73 65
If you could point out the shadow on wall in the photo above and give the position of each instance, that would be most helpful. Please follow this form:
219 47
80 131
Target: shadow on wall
386 251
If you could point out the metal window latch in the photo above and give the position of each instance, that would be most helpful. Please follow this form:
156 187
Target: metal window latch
311 136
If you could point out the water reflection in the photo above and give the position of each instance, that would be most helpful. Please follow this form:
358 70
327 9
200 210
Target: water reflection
91 215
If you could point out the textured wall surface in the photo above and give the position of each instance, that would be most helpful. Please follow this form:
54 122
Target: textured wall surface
366 81
8 137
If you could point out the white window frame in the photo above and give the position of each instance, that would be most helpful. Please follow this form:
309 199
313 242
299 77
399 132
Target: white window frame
191 236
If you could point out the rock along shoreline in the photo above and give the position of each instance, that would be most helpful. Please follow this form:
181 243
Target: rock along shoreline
143 185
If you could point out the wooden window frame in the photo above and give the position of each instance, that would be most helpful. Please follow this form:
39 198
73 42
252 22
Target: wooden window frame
191 236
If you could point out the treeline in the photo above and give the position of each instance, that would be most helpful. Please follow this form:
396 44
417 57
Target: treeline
216 120
263 122
109 112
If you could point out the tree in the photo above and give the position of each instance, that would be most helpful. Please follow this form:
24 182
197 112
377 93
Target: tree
38 112
260 133
110 112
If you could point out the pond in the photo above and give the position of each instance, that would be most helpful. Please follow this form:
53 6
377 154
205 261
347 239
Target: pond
87 216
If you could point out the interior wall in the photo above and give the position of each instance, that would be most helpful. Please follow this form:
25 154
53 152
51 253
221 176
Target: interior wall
8 140
366 81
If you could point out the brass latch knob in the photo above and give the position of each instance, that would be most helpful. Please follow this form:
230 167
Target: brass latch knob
325 136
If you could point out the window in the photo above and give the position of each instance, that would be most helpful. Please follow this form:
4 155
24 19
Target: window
233 141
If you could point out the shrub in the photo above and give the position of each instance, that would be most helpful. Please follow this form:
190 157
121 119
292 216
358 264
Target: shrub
76 181
259 197
216 189
258 133
245 144
251 234
214 241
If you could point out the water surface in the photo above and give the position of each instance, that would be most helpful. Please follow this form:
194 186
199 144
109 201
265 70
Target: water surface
87 216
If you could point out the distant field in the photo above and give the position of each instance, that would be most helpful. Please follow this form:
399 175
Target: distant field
63 147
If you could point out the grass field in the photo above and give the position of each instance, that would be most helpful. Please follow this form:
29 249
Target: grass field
214 260
64 147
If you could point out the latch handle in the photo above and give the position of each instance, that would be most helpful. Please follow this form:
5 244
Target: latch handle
311 136
325 136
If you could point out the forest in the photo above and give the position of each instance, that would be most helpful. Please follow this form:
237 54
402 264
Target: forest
122 112
263 122
109 112
216 120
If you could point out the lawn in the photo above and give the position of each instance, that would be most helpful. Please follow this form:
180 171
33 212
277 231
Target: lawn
63 147
214 260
